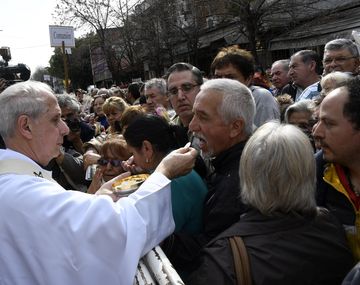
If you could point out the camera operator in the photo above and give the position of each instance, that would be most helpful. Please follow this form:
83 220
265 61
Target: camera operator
67 169
80 131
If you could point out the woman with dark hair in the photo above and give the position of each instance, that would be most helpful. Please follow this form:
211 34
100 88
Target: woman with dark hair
150 138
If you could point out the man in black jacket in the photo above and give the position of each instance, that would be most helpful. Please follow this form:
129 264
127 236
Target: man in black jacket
223 121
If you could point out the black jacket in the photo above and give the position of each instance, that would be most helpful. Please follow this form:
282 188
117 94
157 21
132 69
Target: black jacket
289 89
328 197
284 249
222 208
332 194
223 205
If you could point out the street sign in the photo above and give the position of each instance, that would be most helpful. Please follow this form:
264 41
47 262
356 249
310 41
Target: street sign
60 35
63 36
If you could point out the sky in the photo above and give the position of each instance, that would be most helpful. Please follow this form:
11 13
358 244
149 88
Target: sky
24 26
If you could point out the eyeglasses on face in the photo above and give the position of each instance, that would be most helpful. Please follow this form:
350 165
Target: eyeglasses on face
185 88
337 60
113 162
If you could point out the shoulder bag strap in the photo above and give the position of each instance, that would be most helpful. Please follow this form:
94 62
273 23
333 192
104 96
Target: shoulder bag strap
241 261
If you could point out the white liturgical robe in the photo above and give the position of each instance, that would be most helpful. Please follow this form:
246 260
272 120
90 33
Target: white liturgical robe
52 236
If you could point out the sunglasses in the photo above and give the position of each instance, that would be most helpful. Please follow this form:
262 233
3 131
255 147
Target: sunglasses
113 162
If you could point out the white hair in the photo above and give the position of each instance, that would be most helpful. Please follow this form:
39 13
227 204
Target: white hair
238 101
23 98
303 106
277 170
338 77
158 83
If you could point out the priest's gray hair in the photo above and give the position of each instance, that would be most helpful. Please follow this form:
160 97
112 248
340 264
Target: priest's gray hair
23 98
277 170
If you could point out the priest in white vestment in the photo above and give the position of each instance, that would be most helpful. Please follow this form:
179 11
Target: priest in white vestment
52 236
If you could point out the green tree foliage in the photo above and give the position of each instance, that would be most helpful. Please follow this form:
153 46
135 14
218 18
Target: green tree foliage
79 65
56 62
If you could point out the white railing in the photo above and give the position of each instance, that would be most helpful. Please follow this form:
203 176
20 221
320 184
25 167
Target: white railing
155 268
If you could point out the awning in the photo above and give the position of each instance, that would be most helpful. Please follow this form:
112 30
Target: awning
319 31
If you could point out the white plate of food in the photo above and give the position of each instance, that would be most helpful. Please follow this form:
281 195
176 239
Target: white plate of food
125 186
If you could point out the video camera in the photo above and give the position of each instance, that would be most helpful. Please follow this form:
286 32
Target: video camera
14 73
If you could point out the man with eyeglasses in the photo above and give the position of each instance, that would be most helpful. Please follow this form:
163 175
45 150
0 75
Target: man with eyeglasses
341 55
183 84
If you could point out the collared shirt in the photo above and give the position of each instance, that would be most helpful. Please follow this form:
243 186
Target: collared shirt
53 236
310 92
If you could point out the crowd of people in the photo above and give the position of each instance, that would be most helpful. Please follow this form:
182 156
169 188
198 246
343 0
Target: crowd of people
274 162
